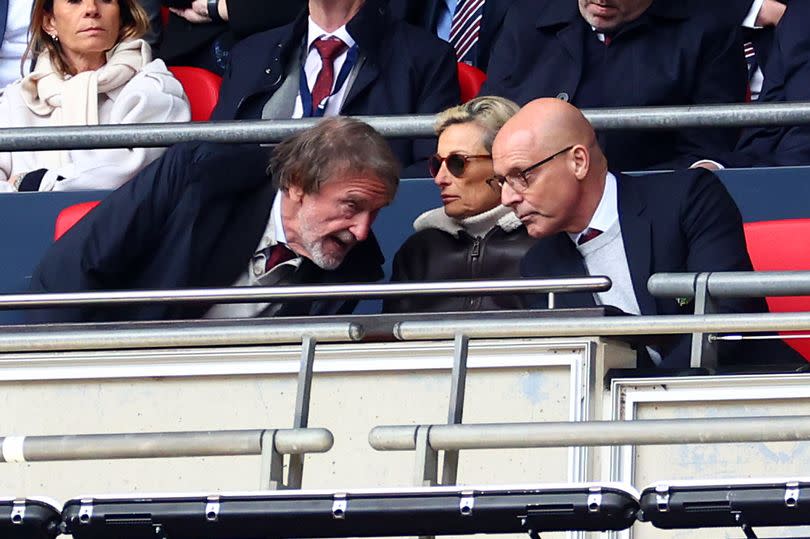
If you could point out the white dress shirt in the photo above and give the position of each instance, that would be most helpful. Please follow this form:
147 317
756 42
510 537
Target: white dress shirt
14 41
312 66
255 274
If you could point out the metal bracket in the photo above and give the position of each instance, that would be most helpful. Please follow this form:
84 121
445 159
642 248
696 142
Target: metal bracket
744 526
704 349
86 511
455 413
272 468
594 499
662 498
339 504
467 502
792 494
18 512
427 459
212 509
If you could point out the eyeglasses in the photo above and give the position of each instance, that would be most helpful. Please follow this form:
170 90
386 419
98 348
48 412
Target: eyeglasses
520 181
455 163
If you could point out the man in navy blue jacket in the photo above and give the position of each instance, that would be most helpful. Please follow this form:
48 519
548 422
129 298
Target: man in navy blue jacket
437 15
787 78
208 215
386 67
589 221
624 53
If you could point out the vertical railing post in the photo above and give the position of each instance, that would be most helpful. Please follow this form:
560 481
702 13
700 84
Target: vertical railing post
456 408
272 470
704 350
295 473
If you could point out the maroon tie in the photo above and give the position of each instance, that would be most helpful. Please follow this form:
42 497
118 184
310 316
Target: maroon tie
277 254
588 235
329 49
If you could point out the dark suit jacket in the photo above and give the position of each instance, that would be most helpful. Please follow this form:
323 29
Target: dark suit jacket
671 55
406 71
186 43
193 218
675 222
787 78
425 13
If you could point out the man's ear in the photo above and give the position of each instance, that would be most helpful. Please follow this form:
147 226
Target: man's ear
295 194
581 161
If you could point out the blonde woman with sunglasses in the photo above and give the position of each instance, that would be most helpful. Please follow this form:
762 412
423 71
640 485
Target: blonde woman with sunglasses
472 236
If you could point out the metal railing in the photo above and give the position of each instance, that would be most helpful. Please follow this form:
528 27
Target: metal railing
259 131
271 444
288 293
594 433
706 287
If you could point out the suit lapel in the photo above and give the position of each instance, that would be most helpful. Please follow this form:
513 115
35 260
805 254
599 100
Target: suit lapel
572 39
557 256
637 238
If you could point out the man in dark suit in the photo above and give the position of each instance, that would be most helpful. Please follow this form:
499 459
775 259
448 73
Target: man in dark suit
378 65
446 19
624 53
201 32
787 78
589 221
207 215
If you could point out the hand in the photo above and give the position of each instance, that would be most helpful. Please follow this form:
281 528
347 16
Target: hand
197 13
15 180
771 13
708 165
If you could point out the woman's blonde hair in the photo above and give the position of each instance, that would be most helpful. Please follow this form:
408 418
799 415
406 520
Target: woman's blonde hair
489 111
134 24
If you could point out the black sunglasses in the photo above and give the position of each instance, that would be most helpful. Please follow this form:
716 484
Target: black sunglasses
455 163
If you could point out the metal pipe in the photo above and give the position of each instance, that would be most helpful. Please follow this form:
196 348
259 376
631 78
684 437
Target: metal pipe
596 433
260 131
732 284
286 293
159 445
495 328
34 339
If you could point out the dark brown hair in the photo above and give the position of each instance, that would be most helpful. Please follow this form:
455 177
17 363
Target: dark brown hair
134 24
334 146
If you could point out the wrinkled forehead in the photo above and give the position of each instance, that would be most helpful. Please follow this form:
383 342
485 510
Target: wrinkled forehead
359 186
514 150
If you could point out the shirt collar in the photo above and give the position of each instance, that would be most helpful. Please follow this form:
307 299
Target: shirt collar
314 32
607 212
275 217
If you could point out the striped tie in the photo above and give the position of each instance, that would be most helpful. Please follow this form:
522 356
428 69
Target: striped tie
465 29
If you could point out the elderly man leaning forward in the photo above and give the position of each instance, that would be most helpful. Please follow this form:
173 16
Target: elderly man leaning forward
589 221
207 215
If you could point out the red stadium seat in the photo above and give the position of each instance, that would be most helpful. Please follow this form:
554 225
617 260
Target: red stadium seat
470 79
70 216
782 246
164 15
202 89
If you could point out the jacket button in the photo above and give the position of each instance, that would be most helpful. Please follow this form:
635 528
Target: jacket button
268 70
563 95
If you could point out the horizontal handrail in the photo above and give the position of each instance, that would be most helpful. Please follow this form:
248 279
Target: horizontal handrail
495 328
732 284
160 445
260 131
595 433
287 293
48 339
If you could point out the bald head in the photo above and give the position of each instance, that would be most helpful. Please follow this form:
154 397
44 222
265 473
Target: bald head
563 189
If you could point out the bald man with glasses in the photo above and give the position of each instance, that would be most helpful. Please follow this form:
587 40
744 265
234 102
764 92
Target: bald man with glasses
589 221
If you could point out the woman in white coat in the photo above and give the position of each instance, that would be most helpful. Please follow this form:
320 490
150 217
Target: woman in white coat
91 68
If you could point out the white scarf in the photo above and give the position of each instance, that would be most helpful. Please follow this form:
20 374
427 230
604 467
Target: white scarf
73 100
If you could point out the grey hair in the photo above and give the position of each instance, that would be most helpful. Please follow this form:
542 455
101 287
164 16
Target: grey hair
489 111
334 146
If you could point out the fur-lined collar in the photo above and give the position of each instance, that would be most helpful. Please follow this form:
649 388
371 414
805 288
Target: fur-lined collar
477 225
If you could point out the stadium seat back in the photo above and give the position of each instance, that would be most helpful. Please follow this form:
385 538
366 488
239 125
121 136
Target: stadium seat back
782 245
202 89
470 80
70 216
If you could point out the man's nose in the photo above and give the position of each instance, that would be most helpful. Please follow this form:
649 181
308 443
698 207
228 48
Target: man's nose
509 197
361 225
